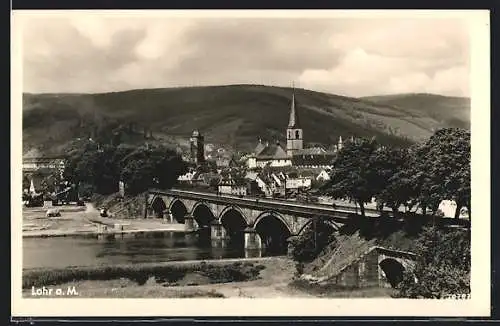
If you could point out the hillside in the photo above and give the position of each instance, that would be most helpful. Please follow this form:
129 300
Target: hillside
453 111
235 115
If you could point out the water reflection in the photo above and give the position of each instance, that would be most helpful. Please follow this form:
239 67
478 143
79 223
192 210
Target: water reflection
129 248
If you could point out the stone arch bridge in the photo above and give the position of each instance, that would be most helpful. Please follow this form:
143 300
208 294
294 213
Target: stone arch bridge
257 222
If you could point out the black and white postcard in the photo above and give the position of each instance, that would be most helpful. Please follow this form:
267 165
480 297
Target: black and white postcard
239 163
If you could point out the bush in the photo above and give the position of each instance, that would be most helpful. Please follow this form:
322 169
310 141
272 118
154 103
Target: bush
443 267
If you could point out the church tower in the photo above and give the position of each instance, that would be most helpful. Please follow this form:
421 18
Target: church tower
197 148
294 132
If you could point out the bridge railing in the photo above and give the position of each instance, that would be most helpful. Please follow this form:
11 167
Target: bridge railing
340 213
193 189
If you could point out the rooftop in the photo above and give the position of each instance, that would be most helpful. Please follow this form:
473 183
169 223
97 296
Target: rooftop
274 151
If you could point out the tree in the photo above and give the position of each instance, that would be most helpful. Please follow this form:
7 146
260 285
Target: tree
26 182
151 166
394 186
102 167
443 267
79 163
352 174
441 168
312 240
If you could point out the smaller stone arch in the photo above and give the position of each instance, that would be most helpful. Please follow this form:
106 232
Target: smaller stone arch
393 269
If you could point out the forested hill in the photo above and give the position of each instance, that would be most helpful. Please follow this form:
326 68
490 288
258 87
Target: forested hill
235 115
449 111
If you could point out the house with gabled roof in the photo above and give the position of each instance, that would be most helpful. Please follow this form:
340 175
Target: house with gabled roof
273 155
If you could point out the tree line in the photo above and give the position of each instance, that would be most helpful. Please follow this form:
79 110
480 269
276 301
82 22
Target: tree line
99 168
415 177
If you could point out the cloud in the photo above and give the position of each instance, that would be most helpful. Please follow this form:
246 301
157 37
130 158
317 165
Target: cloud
354 57
360 72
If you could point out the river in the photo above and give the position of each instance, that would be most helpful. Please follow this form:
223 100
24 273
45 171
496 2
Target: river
60 252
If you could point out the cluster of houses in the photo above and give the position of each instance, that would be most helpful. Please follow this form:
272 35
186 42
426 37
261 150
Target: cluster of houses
271 169
258 183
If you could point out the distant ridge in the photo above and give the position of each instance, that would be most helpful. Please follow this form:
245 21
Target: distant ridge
237 115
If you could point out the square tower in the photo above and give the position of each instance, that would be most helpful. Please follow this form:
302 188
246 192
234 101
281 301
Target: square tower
197 148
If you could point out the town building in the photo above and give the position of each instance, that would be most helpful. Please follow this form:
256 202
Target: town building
273 155
314 157
449 207
323 175
188 177
294 153
229 186
225 162
298 182
35 161
197 148
278 184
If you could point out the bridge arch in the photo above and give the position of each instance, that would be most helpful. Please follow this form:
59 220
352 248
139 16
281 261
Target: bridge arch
393 270
233 208
273 230
335 226
203 214
158 206
178 210
235 223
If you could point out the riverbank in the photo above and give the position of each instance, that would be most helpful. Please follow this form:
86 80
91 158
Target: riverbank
77 221
252 277
270 277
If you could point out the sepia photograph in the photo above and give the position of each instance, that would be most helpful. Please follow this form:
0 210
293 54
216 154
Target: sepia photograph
251 155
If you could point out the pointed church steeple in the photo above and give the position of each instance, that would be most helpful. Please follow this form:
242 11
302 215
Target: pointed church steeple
294 131
293 122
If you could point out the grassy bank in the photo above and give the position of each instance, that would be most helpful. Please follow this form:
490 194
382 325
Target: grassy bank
171 274
229 278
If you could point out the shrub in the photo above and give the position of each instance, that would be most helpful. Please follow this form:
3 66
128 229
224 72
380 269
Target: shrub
443 267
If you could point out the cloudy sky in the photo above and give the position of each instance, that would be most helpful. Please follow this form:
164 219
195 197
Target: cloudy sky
347 56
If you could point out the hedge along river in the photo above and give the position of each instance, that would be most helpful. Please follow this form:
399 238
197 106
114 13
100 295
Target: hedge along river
89 250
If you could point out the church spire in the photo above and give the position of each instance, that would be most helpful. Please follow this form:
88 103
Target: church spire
293 122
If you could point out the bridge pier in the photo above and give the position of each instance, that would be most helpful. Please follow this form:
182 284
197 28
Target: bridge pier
106 236
218 234
217 231
102 228
168 217
252 239
189 223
